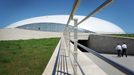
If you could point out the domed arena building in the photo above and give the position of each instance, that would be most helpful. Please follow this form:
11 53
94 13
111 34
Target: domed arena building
53 26
56 23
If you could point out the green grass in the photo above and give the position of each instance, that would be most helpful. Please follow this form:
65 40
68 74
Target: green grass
124 35
26 57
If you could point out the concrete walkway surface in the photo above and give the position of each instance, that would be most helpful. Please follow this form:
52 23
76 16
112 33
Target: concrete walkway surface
125 61
87 65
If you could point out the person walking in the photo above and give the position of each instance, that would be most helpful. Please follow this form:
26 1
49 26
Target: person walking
124 49
119 50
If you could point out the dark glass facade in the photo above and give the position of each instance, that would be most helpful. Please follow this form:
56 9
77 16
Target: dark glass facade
51 27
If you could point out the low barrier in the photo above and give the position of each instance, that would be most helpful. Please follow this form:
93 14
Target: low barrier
107 43
51 67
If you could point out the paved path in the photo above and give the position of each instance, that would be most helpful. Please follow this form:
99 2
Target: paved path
125 61
87 65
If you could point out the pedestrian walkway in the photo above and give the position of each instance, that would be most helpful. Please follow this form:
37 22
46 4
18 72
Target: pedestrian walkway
109 69
65 63
125 61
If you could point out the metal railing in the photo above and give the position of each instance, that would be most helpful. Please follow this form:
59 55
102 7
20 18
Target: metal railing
116 65
75 63
56 62
56 71
76 23
61 59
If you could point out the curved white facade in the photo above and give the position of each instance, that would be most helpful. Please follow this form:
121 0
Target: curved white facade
92 24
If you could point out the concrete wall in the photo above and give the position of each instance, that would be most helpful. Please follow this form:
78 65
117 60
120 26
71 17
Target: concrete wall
107 44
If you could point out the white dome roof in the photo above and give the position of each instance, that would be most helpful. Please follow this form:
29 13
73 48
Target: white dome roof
92 24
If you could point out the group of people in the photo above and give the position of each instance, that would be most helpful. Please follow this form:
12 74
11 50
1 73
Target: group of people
121 50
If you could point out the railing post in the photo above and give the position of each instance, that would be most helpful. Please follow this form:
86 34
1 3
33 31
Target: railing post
65 37
68 40
75 46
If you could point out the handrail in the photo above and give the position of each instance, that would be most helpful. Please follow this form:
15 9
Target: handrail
78 64
57 57
66 31
116 65
96 10
73 10
76 3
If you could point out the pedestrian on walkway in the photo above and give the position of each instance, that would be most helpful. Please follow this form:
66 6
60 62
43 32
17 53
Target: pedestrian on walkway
124 49
119 50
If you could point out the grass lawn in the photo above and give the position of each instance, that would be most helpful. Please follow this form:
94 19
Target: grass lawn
26 57
124 35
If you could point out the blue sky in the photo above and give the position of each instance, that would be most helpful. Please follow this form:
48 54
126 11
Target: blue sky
119 12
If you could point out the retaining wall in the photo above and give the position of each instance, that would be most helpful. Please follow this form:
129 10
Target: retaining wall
107 44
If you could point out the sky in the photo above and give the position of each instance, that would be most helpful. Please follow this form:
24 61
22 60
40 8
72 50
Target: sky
119 12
